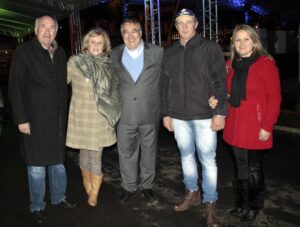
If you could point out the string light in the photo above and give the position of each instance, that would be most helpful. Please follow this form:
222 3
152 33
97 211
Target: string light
233 3
259 10
243 4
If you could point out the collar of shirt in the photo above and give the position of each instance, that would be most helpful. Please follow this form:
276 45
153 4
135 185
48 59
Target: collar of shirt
135 53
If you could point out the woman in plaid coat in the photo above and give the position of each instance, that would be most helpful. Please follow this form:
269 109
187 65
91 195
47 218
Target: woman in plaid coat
94 108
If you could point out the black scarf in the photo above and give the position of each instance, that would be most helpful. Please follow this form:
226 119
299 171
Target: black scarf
239 79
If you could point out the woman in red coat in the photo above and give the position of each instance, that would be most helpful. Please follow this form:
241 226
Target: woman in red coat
253 87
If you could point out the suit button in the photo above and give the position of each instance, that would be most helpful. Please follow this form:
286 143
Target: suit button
134 99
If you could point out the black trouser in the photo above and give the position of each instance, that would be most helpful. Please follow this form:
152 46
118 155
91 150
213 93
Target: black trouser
249 169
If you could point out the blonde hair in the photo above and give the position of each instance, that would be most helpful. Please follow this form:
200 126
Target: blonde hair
257 45
96 32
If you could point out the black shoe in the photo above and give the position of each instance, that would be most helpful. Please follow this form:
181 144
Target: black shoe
66 204
148 194
235 211
125 196
38 216
251 215
243 213
239 212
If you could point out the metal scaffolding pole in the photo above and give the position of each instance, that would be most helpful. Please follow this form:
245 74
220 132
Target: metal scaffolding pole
210 19
75 31
152 21
125 8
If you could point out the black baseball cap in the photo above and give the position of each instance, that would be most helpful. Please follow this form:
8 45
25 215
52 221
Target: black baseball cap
185 12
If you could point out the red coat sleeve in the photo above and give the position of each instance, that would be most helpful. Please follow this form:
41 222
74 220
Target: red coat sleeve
271 83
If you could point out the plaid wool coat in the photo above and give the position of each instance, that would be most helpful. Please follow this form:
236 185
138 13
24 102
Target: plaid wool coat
87 128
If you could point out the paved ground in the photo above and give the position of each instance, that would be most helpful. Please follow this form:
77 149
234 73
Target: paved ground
281 208
282 205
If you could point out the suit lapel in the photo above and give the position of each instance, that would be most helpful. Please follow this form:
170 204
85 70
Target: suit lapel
122 66
147 61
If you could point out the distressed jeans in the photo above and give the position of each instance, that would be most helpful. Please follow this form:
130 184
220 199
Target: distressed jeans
37 185
196 135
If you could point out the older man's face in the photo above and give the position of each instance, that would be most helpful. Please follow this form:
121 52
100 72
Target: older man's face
46 31
186 27
132 35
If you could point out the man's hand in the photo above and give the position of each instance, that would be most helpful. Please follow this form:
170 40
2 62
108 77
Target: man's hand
263 135
217 123
24 128
167 121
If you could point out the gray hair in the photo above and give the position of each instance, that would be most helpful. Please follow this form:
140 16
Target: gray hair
131 20
37 20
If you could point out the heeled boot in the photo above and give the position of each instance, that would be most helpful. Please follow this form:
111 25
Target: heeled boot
241 203
256 193
87 183
96 184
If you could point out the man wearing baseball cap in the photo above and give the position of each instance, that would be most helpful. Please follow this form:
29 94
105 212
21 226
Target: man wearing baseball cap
193 69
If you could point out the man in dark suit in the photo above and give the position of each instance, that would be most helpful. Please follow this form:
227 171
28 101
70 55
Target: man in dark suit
38 96
137 65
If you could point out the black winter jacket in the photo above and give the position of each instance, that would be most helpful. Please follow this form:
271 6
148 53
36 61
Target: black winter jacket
190 75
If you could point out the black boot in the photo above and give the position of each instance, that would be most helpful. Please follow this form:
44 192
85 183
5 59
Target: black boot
241 202
256 191
251 215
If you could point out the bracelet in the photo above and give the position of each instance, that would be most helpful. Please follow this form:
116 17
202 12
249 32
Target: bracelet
218 115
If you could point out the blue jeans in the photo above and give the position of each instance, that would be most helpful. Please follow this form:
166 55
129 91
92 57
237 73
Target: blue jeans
37 184
191 133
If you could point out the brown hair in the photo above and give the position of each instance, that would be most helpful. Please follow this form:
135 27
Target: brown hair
257 48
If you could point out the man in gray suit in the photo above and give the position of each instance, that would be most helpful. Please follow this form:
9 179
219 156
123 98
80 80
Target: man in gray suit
137 65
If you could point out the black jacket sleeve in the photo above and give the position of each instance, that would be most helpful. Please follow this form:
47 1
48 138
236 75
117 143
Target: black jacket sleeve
16 86
216 64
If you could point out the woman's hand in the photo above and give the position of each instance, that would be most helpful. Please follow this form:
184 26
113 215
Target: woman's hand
264 135
213 102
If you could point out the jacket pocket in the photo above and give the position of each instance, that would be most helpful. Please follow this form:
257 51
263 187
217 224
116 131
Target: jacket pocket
258 112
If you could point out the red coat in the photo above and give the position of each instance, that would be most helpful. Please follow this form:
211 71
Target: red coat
260 109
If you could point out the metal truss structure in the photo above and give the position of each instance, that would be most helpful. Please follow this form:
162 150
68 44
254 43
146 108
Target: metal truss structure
75 31
152 21
210 19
